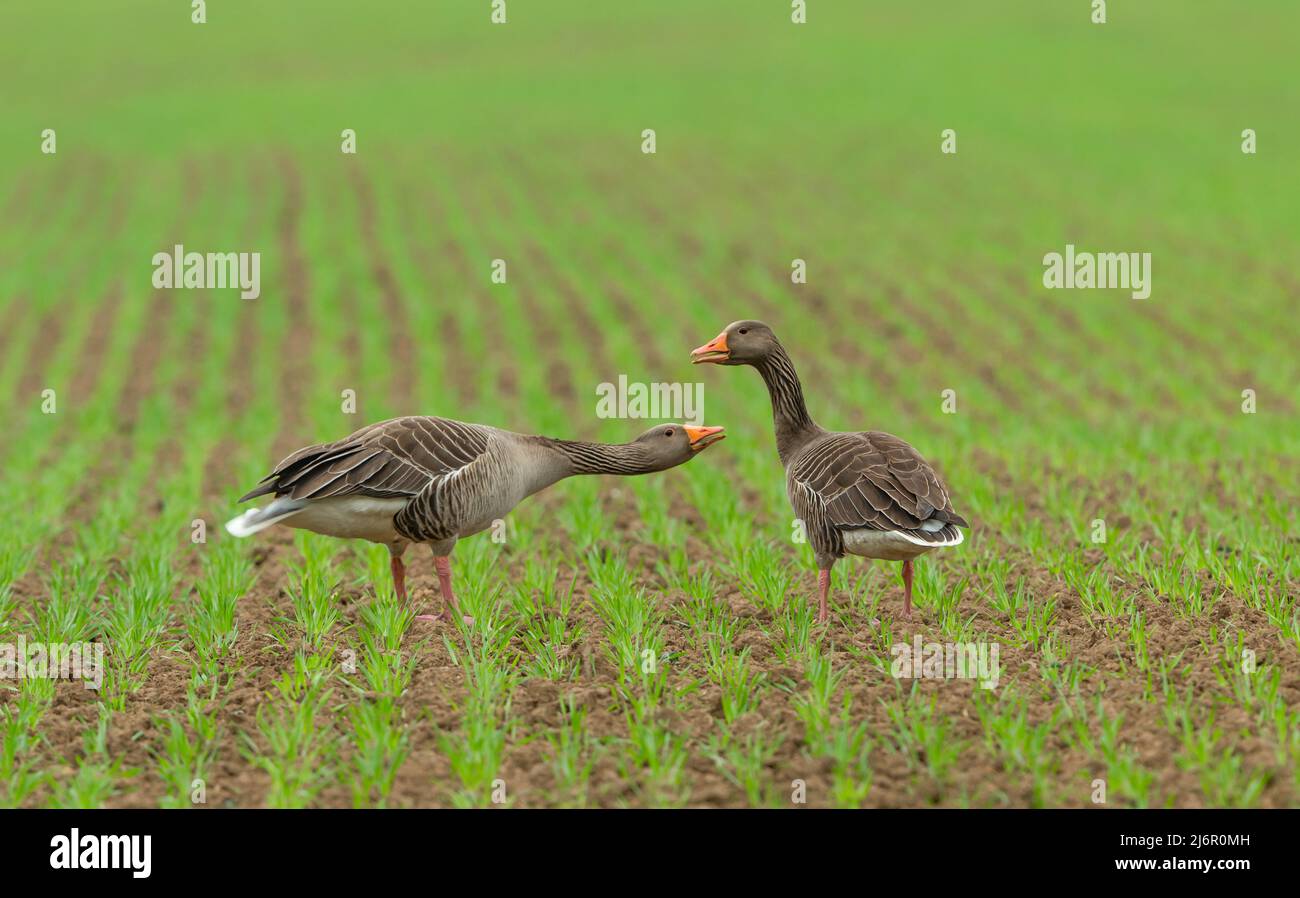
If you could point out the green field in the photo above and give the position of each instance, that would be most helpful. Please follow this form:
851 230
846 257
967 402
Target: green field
1162 660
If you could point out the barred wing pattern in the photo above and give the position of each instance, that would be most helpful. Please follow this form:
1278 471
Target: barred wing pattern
874 481
390 459
453 500
407 457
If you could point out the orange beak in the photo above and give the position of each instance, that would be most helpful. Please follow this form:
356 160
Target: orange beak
714 351
703 436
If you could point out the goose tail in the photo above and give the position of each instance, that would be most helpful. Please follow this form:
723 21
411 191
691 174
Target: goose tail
934 534
256 519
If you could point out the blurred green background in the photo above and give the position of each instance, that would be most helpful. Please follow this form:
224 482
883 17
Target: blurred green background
775 141
817 141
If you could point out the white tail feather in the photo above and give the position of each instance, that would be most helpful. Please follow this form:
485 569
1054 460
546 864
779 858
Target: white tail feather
256 519
934 545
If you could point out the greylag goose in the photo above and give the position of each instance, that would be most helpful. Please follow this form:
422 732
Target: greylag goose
433 480
867 494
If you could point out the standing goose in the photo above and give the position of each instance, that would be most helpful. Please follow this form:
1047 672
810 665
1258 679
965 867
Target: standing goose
868 494
433 480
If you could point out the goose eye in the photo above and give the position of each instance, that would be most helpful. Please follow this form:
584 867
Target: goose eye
744 330
668 432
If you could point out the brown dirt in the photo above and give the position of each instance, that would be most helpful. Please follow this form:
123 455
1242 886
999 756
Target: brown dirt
431 704
415 209
295 366
394 311
434 700
219 474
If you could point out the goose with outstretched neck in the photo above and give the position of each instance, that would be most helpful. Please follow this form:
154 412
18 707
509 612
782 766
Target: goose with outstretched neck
868 494
433 480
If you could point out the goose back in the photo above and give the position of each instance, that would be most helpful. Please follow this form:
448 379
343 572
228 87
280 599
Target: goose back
872 481
393 458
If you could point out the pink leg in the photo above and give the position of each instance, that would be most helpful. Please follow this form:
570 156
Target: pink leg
442 564
399 577
907 589
823 587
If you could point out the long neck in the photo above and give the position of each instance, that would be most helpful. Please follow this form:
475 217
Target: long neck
573 457
794 426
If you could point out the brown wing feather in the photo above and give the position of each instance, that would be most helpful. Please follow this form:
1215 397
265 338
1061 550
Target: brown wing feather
874 480
389 459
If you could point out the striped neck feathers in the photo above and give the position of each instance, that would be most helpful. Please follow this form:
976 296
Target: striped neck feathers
603 458
793 425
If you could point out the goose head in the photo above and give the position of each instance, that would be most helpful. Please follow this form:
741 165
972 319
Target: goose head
740 343
669 445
